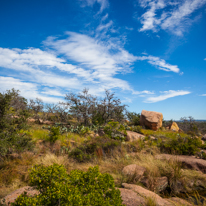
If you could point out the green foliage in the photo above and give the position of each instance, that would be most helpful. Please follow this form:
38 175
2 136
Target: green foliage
54 134
96 147
137 129
180 145
76 189
115 130
134 118
13 115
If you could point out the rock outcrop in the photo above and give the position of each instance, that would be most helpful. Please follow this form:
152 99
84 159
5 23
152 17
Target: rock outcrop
204 137
174 127
151 120
134 171
131 198
12 197
189 162
133 136
147 194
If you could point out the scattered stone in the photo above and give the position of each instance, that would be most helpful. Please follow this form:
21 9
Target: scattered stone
101 132
174 127
161 184
133 136
40 121
12 197
152 138
177 201
133 171
47 122
15 117
189 162
204 137
152 120
31 120
147 194
131 198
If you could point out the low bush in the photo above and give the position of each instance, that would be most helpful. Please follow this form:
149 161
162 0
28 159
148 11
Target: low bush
137 129
13 115
78 188
115 130
180 145
54 134
134 118
96 147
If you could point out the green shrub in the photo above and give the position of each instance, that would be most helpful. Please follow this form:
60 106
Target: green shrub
13 115
134 118
137 129
98 146
76 189
54 134
115 130
180 145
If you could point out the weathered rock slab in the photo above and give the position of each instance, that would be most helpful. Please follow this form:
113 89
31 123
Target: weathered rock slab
189 162
134 171
133 136
151 120
174 127
131 198
13 196
147 194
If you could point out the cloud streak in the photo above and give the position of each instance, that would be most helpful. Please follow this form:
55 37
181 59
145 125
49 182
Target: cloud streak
166 95
102 59
103 4
160 63
169 15
27 89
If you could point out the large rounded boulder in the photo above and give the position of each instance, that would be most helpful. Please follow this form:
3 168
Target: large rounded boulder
151 120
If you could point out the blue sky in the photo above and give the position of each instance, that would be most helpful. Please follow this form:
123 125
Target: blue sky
151 53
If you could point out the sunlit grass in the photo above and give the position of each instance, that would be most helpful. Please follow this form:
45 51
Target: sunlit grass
158 133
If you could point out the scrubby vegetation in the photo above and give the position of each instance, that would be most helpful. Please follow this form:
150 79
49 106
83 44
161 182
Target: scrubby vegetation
57 148
77 188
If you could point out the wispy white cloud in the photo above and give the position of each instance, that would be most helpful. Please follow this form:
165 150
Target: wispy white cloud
173 16
103 3
36 65
103 59
53 92
160 63
104 26
27 89
166 95
203 95
144 92
148 19
95 64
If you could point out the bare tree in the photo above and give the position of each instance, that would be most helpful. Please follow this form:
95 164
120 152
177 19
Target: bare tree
60 111
86 107
36 106
81 105
110 108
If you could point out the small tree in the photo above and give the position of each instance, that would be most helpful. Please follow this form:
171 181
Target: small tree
109 108
188 124
87 108
13 115
133 118
81 105
59 111
36 106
